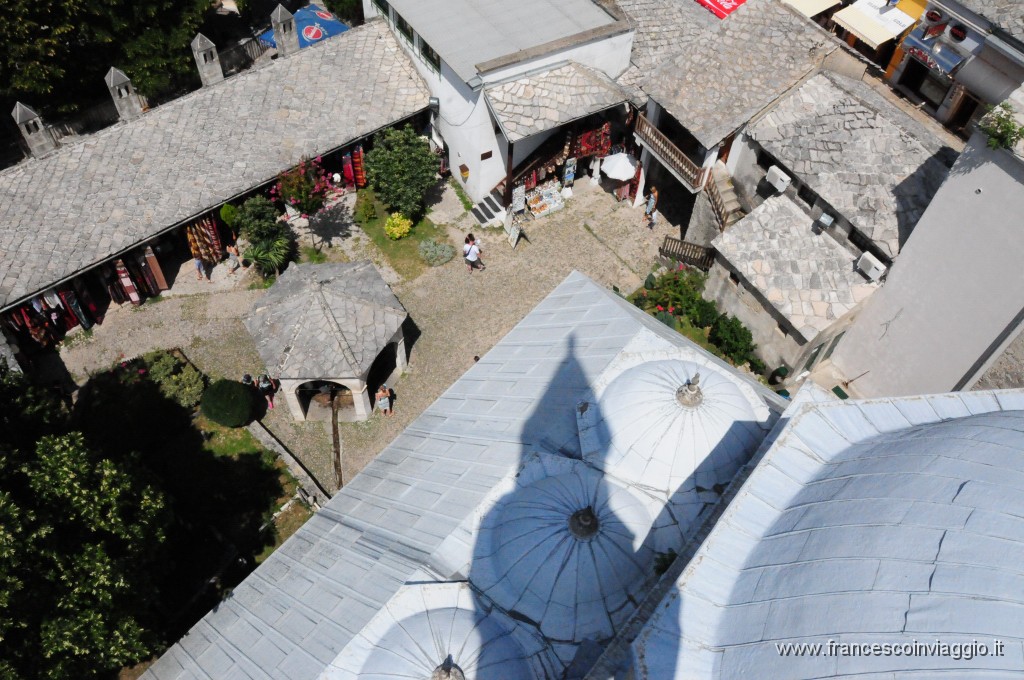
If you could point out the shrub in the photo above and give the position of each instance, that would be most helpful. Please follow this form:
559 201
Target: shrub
1001 127
436 254
666 318
401 169
366 207
177 380
303 187
228 403
270 256
398 226
650 282
257 221
229 215
702 313
733 339
757 366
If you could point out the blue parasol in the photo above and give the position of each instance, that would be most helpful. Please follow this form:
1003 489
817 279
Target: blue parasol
313 24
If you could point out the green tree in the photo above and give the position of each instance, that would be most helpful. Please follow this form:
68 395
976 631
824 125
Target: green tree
349 11
401 168
56 53
734 340
80 539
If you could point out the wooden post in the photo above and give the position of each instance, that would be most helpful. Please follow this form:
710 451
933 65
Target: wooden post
507 198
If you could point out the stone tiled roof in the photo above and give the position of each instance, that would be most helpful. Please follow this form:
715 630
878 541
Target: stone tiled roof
323 321
1007 14
660 28
807 277
124 185
856 151
724 76
545 100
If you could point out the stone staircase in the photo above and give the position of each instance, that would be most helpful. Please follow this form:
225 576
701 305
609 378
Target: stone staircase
488 212
723 197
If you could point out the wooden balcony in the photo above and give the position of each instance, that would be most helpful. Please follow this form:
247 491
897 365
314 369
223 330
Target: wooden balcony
669 154
688 253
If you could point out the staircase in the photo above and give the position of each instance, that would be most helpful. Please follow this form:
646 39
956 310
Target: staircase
723 197
488 212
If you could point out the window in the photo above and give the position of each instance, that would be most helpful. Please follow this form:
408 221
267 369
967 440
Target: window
734 278
832 347
486 155
383 6
429 55
813 357
403 27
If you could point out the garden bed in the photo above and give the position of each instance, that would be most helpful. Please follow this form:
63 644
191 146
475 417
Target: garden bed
404 254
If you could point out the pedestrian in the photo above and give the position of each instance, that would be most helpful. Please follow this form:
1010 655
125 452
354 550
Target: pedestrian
471 254
267 387
233 260
200 269
651 209
384 400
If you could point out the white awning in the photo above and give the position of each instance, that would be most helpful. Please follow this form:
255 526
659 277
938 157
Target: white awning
873 21
811 8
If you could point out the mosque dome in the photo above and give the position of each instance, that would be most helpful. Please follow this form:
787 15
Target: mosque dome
675 425
567 552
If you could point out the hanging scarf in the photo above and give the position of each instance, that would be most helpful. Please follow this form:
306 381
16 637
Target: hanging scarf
82 291
347 169
126 282
154 268
357 166
213 240
67 296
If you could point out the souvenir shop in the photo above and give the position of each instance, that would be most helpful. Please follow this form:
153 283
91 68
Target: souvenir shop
543 182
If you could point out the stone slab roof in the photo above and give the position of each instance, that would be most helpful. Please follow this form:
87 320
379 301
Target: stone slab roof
726 75
861 154
323 321
809 278
660 28
124 185
545 100
298 610
1006 14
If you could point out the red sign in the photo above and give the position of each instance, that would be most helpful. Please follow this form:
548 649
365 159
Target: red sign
323 14
313 32
722 8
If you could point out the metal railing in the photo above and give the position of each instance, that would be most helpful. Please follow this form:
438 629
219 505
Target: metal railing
668 152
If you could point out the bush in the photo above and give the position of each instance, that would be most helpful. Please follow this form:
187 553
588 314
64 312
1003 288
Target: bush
732 338
177 380
257 221
436 254
228 403
1001 127
398 226
401 169
270 256
366 207
303 187
229 215
666 318
702 313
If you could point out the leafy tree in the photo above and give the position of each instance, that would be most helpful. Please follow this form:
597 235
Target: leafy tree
56 53
734 340
401 168
80 535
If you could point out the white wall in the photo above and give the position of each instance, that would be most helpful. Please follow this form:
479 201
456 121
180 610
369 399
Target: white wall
955 289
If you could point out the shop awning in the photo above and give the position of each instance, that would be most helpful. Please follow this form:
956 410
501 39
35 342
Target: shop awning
721 8
811 8
873 21
912 8
934 54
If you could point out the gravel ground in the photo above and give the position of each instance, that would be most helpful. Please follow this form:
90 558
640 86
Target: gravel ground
459 314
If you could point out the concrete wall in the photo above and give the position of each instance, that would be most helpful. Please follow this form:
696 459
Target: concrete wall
955 294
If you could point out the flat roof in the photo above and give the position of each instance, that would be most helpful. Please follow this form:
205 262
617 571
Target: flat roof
469 32
122 186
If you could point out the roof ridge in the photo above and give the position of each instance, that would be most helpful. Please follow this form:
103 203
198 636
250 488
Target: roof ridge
344 342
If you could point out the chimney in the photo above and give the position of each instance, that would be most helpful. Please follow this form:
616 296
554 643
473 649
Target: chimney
38 137
126 99
285 35
205 53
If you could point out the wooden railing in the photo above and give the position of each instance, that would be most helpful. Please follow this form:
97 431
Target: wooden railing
688 253
715 196
657 142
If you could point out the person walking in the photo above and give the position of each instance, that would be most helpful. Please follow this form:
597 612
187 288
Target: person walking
233 260
471 254
267 387
651 209
384 400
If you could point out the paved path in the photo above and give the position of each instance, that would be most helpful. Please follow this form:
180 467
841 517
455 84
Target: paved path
459 315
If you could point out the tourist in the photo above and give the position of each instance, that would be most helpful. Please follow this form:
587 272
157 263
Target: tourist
233 260
267 387
200 269
651 209
471 254
384 400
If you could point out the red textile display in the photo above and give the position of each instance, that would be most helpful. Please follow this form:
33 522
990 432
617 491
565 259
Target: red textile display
357 166
127 284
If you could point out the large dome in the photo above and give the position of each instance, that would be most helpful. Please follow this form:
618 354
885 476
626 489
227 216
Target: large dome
567 552
673 425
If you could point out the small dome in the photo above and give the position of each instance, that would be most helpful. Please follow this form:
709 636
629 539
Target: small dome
676 425
567 552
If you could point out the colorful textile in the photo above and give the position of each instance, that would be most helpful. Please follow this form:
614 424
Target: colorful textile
127 284
357 166
347 170
144 276
155 269
204 241
86 299
67 296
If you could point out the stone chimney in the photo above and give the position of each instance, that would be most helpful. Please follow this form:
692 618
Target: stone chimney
126 99
39 138
205 53
285 35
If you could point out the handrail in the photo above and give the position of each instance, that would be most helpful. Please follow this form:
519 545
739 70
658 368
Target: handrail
692 254
717 202
663 146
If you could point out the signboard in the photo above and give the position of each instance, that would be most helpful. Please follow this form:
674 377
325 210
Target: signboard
519 198
721 8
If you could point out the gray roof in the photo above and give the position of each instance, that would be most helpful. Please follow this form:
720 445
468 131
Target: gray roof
545 100
660 28
469 32
126 184
1006 14
115 77
861 154
723 77
886 521
809 278
295 613
22 113
322 321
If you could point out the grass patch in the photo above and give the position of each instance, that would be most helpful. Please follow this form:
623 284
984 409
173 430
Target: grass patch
79 338
309 254
261 284
403 255
464 198
286 524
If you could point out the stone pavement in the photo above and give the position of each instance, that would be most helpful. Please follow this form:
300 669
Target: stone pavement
458 314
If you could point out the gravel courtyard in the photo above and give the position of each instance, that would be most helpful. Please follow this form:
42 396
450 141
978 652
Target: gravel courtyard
458 314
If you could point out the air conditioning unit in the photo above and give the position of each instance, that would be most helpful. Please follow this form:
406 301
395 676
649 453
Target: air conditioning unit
869 265
778 179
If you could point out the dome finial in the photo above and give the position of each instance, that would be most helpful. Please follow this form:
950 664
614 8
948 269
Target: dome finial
583 523
448 671
689 395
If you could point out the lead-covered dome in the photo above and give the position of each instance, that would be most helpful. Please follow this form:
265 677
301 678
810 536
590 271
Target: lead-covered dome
567 552
676 425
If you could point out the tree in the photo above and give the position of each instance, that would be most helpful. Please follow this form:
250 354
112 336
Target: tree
56 53
734 340
80 539
401 168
